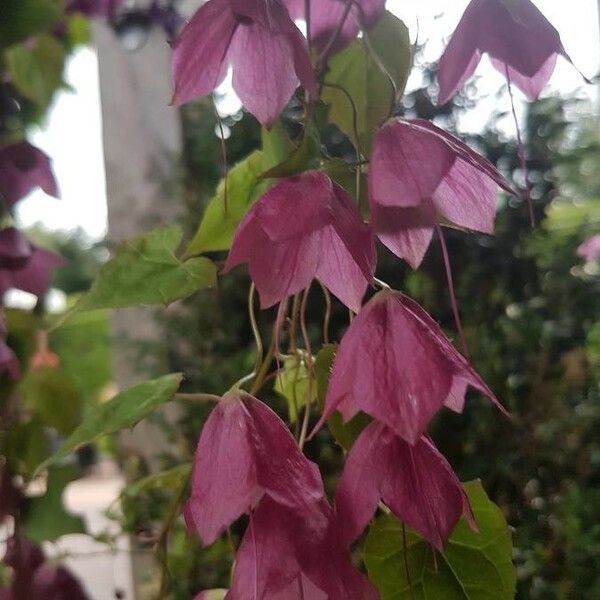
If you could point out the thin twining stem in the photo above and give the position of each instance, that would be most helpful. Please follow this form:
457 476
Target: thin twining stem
307 17
224 159
255 329
453 302
521 151
335 35
198 397
354 131
327 317
311 371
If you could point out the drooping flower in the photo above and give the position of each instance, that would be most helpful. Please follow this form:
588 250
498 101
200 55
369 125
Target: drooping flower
246 452
590 249
8 360
11 498
35 579
258 39
414 481
290 555
395 364
327 15
421 175
24 266
93 8
23 168
305 227
521 43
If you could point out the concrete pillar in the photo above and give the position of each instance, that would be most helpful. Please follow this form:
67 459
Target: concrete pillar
142 148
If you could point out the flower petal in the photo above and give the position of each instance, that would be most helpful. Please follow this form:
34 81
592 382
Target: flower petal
199 51
23 168
406 232
407 166
415 482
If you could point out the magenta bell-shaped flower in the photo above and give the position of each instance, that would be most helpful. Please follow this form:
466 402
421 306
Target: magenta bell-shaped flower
246 452
421 175
258 39
521 43
305 227
590 249
24 266
414 481
23 168
395 364
8 360
326 16
93 8
295 555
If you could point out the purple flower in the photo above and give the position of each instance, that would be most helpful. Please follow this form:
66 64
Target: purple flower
414 481
35 579
24 266
258 39
521 43
590 249
305 227
11 498
93 8
291 555
421 175
246 452
327 15
8 360
395 364
23 168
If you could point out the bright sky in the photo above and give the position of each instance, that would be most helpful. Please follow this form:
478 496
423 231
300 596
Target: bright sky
72 134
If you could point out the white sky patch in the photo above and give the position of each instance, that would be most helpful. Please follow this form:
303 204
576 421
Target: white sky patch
72 135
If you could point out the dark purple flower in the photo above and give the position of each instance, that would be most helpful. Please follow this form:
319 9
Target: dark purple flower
23 168
521 43
414 481
245 452
305 227
258 39
395 364
327 15
295 555
11 498
421 175
24 266
8 360
93 8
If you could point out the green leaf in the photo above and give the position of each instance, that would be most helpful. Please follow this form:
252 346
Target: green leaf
214 594
123 411
21 19
306 156
293 384
53 396
172 479
276 145
474 566
363 71
37 72
25 447
220 221
146 270
46 518
323 365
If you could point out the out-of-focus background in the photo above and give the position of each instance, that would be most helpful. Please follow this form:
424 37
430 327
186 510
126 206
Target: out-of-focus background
126 161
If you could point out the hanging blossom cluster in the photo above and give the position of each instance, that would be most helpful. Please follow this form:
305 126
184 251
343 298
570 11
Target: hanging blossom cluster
394 363
23 266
